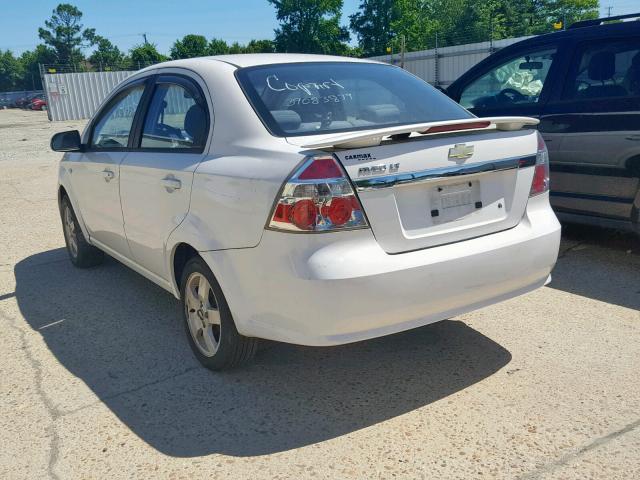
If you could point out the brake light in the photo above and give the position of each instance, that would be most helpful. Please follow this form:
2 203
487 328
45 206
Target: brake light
456 127
318 198
540 183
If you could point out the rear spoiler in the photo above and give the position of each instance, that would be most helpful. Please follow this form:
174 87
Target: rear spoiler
372 138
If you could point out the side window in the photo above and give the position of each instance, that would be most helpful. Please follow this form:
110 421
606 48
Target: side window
174 119
519 80
114 125
604 70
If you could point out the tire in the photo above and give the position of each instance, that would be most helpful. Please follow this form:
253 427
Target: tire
208 322
81 253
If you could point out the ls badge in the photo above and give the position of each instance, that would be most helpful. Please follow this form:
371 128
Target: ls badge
460 152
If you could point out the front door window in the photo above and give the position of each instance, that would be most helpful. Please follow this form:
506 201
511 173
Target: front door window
518 81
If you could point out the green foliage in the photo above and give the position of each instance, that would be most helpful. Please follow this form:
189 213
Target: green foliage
106 55
218 47
65 35
310 26
260 46
466 21
372 25
30 61
190 46
145 54
10 71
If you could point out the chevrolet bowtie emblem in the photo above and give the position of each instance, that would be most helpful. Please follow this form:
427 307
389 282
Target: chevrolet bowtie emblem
460 152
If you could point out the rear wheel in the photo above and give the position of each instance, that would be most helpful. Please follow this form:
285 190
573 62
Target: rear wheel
212 334
81 253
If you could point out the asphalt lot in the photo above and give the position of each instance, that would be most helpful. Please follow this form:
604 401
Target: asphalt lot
97 380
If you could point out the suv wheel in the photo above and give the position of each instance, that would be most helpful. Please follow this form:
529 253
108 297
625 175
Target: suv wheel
212 334
81 253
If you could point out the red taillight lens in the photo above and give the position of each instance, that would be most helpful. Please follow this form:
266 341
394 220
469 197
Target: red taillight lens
321 168
304 214
318 197
540 183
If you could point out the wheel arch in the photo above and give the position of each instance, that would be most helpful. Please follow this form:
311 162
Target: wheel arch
181 253
65 191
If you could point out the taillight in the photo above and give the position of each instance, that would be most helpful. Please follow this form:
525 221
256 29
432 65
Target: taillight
540 183
318 198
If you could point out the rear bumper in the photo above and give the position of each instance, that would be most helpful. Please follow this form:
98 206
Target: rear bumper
336 288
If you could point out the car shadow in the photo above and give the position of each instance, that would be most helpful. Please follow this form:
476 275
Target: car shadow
121 336
599 263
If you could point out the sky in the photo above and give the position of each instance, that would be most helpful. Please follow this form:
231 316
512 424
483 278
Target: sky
124 21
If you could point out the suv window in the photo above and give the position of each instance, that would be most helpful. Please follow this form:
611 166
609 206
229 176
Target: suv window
518 80
174 120
606 69
113 127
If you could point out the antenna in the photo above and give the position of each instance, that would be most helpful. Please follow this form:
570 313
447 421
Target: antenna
144 35
609 8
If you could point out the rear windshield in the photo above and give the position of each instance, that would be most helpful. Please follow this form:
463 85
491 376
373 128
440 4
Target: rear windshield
326 97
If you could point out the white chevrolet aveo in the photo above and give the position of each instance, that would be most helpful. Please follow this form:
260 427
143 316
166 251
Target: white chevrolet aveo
306 199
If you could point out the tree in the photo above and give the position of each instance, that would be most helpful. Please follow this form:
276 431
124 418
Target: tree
310 26
218 47
568 11
372 25
145 54
235 48
190 46
30 61
106 55
65 35
260 46
10 71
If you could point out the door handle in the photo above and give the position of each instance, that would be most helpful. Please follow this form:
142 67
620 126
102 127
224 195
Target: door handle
171 184
108 175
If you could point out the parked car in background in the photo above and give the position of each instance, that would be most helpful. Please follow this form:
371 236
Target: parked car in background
584 86
22 102
327 201
38 103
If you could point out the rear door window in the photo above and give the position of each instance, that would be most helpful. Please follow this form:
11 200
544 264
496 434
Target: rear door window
325 97
175 119
608 69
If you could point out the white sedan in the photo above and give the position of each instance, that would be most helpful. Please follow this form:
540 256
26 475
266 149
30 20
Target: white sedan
306 199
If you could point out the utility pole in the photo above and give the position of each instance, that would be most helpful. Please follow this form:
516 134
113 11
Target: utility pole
402 48
609 8
144 35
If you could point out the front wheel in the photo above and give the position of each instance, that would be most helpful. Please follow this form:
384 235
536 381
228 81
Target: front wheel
212 334
81 253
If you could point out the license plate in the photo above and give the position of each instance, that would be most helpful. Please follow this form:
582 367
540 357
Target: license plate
451 202
456 196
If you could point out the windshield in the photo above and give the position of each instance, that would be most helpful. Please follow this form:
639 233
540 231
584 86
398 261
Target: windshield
326 97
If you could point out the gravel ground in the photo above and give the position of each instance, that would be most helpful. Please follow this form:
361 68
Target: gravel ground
97 380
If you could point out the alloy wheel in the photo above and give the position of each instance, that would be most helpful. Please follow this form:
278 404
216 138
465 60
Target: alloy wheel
203 316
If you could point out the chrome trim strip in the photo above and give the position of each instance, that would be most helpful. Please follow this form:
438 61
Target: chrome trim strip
388 181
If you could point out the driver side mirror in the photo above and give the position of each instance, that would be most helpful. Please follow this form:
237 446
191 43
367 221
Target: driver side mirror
69 141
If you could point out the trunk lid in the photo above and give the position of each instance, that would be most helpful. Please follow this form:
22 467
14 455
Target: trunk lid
430 190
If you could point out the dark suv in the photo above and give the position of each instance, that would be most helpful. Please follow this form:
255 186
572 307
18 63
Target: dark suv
584 86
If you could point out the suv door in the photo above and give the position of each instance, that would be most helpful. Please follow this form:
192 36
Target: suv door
156 178
598 116
95 172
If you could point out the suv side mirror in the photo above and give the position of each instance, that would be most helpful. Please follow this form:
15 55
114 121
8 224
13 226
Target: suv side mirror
69 141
